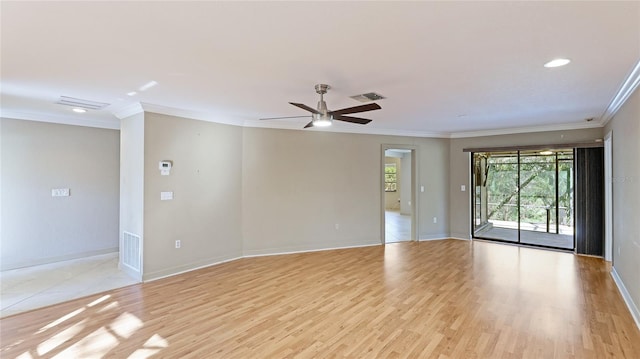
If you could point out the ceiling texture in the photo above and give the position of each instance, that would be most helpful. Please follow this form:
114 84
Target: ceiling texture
447 69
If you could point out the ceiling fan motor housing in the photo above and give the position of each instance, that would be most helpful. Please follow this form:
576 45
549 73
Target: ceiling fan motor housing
322 88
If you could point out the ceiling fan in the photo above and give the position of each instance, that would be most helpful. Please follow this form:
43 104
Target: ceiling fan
322 117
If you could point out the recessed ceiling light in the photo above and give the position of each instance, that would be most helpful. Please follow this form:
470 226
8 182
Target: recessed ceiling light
132 93
79 110
557 62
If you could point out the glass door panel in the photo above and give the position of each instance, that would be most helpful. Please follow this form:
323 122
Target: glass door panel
538 205
524 197
496 196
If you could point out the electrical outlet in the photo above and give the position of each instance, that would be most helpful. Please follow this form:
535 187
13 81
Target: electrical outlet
435 219
178 244
337 226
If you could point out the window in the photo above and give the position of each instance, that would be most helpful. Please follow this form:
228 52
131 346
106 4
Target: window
390 177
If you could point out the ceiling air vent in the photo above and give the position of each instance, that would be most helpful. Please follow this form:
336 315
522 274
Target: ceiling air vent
369 96
80 103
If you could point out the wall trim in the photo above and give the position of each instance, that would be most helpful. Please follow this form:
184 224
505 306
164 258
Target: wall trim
633 309
463 236
62 120
194 115
63 258
170 272
138 107
434 237
294 250
628 87
129 271
166 273
128 111
529 129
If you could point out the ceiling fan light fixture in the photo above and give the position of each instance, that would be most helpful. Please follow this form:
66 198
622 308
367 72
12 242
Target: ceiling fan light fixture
322 120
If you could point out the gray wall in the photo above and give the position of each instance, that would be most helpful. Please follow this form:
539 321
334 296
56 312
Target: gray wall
460 167
297 185
37 157
625 130
206 178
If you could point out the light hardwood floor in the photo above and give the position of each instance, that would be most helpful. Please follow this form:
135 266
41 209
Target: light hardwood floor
437 299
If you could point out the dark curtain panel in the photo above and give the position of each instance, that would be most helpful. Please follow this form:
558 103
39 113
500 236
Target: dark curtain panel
589 197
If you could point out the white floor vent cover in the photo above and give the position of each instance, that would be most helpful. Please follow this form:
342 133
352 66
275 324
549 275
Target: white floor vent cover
131 250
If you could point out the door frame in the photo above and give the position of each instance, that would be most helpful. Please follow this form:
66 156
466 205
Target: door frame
608 197
413 195
518 154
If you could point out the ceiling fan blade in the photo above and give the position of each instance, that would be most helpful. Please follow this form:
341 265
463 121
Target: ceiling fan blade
361 121
277 118
310 124
305 107
361 108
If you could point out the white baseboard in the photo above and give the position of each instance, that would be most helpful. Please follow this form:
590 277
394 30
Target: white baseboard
465 236
460 239
188 268
170 272
635 313
433 237
56 259
280 251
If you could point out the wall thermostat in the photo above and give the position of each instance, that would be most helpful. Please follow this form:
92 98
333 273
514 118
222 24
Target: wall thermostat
165 167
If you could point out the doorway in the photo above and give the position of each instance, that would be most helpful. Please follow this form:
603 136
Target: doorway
398 194
524 197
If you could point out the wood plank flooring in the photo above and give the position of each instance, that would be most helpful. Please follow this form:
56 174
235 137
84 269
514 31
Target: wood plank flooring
437 299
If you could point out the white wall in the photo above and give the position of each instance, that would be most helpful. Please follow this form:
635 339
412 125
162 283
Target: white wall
625 128
37 157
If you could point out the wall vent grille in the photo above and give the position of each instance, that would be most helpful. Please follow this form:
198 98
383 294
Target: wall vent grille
369 96
80 103
131 250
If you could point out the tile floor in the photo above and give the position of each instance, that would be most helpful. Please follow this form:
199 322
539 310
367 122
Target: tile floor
397 227
39 286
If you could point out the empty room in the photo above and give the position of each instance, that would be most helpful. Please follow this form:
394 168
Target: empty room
319 179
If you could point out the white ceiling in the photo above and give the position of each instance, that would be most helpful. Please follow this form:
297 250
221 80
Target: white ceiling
445 67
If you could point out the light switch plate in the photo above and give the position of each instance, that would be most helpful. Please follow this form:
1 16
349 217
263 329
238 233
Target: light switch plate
463 188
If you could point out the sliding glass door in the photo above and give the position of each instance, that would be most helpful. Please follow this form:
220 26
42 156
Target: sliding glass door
524 197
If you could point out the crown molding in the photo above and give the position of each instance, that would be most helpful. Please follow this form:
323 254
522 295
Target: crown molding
295 125
44 117
128 111
138 107
514 130
627 88
194 115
